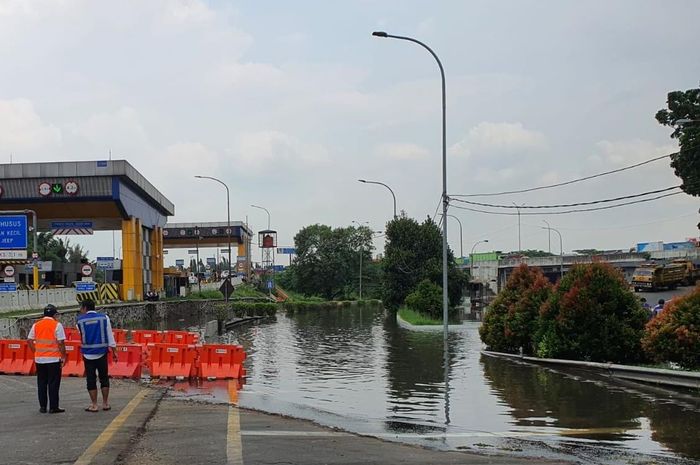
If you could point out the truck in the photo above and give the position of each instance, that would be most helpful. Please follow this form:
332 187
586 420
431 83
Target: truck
653 276
692 273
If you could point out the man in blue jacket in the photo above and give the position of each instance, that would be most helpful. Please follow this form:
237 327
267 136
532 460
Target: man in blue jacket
97 340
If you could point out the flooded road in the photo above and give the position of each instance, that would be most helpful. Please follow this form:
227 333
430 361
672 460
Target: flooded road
356 369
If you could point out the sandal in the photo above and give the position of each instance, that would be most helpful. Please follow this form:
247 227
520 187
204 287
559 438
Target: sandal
109 407
91 410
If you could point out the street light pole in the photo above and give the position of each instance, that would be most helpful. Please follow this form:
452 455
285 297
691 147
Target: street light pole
561 250
266 211
549 237
517 207
228 223
382 184
445 199
461 236
471 255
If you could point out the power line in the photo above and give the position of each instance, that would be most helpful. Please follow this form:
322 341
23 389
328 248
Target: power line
566 183
607 207
565 205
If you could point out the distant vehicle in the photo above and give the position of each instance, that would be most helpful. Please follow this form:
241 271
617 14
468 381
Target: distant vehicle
692 273
650 277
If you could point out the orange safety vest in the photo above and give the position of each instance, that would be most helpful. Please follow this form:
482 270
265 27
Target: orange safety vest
45 342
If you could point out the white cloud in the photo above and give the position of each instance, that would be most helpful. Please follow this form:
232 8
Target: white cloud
121 131
499 137
625 152
21 128
402 151
263 150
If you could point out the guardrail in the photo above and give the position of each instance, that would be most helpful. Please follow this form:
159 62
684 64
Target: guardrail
676 378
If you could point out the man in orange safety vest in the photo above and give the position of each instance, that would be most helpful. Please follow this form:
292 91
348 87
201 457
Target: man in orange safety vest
47 340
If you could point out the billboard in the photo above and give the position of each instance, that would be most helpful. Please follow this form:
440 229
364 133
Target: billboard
657 246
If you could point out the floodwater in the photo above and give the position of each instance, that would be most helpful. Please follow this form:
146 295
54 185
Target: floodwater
357 369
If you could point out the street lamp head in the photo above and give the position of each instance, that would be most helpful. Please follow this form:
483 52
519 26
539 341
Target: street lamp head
486 240
686 121
379 34
197 176
362 180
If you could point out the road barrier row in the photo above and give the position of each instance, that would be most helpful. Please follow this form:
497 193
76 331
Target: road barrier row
162 359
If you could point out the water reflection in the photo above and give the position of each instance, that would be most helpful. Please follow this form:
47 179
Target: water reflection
355 368
588 406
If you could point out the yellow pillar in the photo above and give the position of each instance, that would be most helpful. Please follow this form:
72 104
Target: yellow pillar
158 281
132 265
241 253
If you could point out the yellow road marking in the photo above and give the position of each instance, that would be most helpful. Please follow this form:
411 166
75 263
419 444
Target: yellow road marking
104 437
234 448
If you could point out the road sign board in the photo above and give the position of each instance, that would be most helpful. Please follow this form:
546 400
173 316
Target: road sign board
105 263
179 262
211 261
13 254
102 163
192 251
241 258
8 287
86 269
287 250
278 268
226 288
9 270
225 251
9 280
85 286
72 227
13 232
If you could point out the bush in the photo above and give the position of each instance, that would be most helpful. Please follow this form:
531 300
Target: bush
206 294
674 335
592 315
511 320
254 309
426 299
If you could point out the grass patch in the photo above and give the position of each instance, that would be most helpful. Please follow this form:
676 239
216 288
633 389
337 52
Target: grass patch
247 290
416 318
205 294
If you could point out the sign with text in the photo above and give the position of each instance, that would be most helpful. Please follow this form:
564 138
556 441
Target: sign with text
286 250
105 263
179 262
211 261
8 287
13 233
84 286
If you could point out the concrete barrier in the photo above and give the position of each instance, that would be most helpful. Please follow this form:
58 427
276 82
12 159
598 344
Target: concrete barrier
676 378
28 300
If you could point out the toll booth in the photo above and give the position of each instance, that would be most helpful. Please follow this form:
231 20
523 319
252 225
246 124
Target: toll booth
74 198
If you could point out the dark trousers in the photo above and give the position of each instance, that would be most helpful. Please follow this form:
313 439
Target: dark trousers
95 368
48 380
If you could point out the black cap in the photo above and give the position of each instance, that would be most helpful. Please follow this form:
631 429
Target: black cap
50 310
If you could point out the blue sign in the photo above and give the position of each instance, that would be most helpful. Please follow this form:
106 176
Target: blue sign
102 164
84 286
278 268
287 250
8 287
71 225
105 263
13 232
180 262
269 284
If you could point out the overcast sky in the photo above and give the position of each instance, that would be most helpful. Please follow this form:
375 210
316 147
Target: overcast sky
292 102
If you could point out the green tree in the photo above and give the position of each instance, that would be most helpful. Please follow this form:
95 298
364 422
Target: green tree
328 260
511 320
426 299
592 315
50 248
413 252
75 253
684 105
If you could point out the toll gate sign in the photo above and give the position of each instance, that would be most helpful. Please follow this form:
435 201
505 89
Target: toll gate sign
13 233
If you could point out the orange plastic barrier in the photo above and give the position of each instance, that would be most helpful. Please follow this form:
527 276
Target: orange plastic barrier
146 336
172 360
72 334
221 361
74 361
16 358
129 363
180 337
119 336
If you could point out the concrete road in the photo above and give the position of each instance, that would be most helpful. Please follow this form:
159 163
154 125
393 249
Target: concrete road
653 297
148 425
